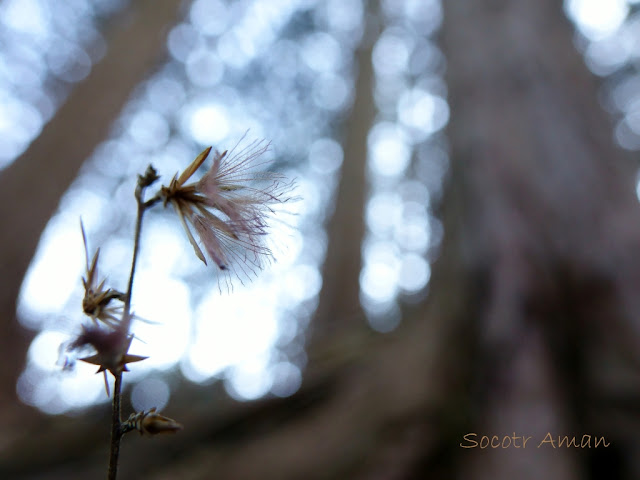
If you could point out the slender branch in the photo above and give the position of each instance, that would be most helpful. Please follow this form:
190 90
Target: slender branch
136 247
116 415
116 430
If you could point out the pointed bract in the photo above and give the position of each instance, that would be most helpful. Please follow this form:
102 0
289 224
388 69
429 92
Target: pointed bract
111 347
191 169
116 365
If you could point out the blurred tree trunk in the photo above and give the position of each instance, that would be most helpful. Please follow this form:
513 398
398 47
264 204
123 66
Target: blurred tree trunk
530 326
339 302
547 231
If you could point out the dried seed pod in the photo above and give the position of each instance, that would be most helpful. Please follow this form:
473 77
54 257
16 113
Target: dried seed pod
150 423
112 348
96 302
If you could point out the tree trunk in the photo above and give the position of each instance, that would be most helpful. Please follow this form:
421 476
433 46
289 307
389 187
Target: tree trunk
339 300
547 227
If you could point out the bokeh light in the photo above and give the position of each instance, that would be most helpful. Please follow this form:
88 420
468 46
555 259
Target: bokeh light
223 81
609 33
597 19
411 112
150 393
46 49
283 70
277 69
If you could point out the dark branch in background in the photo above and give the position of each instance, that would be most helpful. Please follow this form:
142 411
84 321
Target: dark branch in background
339 301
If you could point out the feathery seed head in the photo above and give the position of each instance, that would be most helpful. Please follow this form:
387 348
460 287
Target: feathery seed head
229 207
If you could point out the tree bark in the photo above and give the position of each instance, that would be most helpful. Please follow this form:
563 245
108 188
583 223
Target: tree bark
339 299
548 225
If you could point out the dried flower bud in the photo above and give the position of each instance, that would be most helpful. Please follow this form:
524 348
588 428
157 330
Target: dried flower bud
151 423
96 302
112 347
150 176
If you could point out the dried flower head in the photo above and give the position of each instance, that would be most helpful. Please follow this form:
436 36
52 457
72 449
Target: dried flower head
229 206
111 347
96 302
151 423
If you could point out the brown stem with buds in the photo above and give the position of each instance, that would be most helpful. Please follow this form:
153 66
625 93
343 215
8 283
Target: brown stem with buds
117 432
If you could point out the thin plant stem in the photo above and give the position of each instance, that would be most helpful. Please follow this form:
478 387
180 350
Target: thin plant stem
116 414
116 430
136 247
